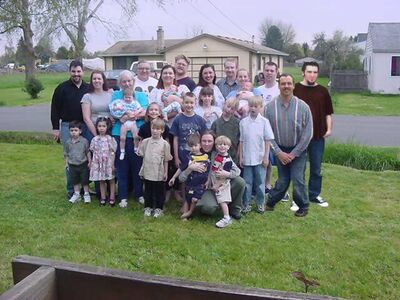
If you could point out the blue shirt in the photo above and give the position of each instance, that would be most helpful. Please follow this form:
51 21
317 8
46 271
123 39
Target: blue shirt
143 101
183 126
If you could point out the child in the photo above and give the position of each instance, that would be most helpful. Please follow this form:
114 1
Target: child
196 182
207 108
168 99
77 160
156 153
255 134
128 106
222 162
228 125
185 124
243 96
103 147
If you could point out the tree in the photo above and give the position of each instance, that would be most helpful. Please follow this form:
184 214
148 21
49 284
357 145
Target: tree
62 53
8 56
73 16
287 31
21 53
295 51
273 39
306 49
17 15
44 49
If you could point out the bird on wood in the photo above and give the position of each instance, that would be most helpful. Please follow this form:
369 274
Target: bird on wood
307 282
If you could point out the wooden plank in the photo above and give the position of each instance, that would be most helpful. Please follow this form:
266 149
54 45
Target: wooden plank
41 284
87 282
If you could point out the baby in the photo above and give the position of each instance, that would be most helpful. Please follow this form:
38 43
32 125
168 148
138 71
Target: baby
244 95
168 99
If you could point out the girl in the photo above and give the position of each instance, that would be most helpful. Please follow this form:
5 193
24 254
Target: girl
156 153
206 109
103 147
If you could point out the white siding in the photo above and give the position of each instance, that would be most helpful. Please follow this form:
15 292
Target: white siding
380 79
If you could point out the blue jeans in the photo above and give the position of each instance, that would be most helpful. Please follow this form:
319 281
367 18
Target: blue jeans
128 169
295 172
64 136
254 177
315 153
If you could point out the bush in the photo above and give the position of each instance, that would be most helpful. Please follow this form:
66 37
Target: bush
16 137
33 86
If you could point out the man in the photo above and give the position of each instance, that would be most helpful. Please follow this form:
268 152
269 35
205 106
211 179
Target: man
143 81
66 107
320 102
228 84
270 90
291 122
181 65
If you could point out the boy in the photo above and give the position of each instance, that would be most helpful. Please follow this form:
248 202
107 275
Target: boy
255 134
196 182
228 125
127 106
185 124
77 160
222 163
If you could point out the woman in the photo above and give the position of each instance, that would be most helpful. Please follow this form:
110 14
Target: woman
95 102
207 77
168 91
129 167
243 78
208 203
206 109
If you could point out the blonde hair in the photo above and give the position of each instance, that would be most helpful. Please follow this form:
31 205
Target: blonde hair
232 102
128 92
158 123
222 139
146 115
255 101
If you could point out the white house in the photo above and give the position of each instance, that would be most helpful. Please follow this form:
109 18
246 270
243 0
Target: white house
382 58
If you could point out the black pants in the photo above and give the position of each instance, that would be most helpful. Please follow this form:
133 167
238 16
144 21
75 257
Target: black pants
154 194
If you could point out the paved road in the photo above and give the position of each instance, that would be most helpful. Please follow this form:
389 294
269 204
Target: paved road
375 131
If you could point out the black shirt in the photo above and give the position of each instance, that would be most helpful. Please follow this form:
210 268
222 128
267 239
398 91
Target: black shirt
66 103
145 131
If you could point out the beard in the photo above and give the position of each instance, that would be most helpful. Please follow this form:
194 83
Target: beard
311 82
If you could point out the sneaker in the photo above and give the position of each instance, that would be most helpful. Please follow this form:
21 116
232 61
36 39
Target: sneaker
320 201
260 209
294 207
158 213
86 198
141 200
122 156
246 209
147 212
285 198
75 198
123 203
225 221
302 212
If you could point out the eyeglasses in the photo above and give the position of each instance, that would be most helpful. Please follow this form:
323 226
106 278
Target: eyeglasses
144 69
181 64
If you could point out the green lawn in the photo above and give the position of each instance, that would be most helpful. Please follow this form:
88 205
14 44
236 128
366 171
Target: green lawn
351 248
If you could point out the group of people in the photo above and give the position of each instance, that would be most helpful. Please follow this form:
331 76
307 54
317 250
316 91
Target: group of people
212 143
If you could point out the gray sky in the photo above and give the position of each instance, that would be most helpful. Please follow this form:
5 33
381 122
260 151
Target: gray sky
240 19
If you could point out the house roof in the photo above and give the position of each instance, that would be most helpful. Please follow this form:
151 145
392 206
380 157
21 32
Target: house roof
149 47
361 37
141 47
385 37
247 45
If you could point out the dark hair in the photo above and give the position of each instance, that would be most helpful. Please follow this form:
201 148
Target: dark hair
189 95
75 63
108 123
193 139
75 124
206 91
271 63
285 75
91 87
202 82
160 84
309 63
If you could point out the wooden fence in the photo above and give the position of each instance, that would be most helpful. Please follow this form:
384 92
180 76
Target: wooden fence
349 81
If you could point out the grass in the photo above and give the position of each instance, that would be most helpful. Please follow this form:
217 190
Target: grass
351 248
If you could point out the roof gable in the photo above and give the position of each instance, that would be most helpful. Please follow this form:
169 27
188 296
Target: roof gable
138 47
384 37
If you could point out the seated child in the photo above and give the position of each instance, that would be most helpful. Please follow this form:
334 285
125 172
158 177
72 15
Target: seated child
196 182
131 108
219 183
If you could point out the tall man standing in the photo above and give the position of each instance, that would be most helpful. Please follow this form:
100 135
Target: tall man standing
270 89
66 106
181 65
291 122
229 83
320 102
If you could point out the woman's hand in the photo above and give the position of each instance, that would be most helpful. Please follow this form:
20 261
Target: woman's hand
222 174
197 167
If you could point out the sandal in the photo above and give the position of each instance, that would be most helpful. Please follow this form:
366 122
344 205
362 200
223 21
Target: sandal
112 202
103 202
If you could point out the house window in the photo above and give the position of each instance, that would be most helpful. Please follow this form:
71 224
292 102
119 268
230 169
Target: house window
395 65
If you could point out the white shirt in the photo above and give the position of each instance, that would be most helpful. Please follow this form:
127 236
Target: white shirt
268 93
145 86
218 98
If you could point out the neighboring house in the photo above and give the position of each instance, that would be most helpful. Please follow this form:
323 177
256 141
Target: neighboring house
360 42
301 61
382 58
205 48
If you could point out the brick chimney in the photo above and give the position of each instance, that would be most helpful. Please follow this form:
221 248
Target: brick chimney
160 38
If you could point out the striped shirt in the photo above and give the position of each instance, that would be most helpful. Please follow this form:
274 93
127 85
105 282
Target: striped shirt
292 125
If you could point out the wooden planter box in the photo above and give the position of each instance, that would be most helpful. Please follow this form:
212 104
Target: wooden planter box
38 278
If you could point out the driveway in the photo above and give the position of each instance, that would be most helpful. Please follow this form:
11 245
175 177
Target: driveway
374 131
